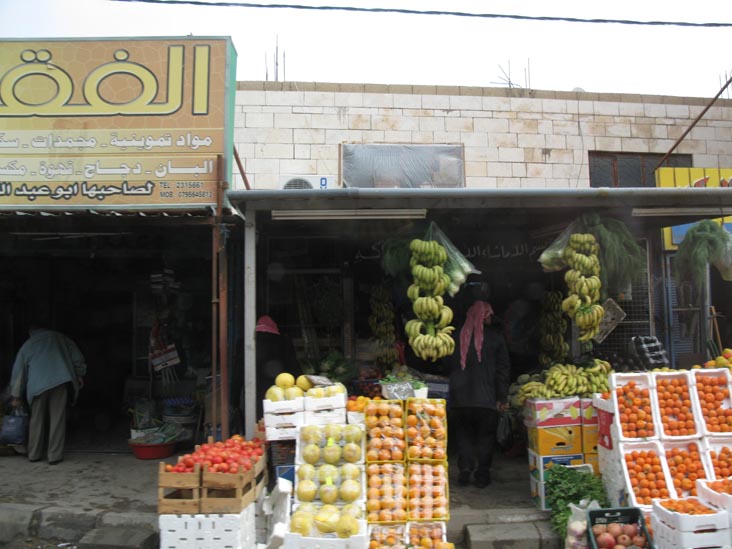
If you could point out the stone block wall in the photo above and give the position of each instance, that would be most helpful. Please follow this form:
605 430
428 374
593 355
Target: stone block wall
512 138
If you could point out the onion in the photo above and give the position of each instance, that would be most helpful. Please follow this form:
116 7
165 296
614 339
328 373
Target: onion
577 528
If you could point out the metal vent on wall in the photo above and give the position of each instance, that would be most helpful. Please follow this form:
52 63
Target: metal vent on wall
307 181
297 183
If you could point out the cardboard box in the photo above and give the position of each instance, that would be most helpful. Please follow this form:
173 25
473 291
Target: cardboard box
588 412
548 441
553 412
539 465
593 459
590 438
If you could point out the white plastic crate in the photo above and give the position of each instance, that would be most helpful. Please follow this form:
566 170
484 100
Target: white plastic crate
324 417
716 520
726 404
685 377
356 417
618 379
225 531
290 419
717 444
655 446
280 433
313 404
712 497
670 445
669 538
331 541
642 381
283 406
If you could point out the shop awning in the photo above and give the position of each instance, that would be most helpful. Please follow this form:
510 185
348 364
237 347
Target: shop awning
642 209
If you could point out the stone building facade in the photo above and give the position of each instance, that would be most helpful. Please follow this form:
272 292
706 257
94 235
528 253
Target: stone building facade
512 138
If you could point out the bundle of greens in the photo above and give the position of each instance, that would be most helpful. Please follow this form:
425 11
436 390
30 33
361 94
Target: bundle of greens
704 243
565 485
621 257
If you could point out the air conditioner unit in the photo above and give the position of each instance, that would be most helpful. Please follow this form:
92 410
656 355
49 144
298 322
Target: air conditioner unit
322 182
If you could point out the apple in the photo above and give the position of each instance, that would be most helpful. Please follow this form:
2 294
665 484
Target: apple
615 529
598 529
630 529
605 541
624 539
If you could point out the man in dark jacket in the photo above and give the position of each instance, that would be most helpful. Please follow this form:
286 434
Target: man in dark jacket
479 380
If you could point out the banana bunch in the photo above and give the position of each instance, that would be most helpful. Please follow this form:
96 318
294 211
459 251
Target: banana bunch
569 379
429 334
381 322
532 389
552 327
583 284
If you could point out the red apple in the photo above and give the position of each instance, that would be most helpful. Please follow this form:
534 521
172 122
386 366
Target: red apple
630 529
598 529
605 541
614 529
639 540
624 539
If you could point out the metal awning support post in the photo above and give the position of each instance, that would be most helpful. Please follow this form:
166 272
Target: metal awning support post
250 322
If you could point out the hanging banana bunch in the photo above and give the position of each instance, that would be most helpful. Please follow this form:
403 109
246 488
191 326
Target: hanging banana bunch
552 327
583 284
381 322
429 333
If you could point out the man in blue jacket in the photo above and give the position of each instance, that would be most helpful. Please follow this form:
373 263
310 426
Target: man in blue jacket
49 365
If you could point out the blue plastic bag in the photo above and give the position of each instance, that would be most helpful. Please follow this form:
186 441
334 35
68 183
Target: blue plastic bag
15 428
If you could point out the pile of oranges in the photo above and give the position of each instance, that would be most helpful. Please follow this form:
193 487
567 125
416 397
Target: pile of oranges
427 491
647 478
426 430
386 496
634 410
674 404
388 537
685 466
722 462
713 392
358 403
428 535
687 506
721 486
384 421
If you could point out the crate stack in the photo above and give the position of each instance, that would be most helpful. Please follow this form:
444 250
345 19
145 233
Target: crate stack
406 463
329 473
554 428
677 425
283 417
201 509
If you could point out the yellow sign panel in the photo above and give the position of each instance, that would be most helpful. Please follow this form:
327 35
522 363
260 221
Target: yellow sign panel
134 122
700 178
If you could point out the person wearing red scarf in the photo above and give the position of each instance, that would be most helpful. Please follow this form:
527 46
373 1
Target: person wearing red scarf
479 380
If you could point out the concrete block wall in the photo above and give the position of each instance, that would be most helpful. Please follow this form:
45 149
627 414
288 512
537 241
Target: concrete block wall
512 138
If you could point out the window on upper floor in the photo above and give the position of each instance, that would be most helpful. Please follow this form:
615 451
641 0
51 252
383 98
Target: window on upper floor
609 169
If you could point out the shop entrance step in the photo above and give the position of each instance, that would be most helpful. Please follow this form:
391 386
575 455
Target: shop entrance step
521 535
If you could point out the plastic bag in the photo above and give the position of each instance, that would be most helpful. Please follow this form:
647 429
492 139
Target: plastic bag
15 427
552 259
504 430
577 524
457 265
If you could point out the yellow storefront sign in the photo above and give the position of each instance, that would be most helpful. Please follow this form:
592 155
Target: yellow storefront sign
123 123
700 178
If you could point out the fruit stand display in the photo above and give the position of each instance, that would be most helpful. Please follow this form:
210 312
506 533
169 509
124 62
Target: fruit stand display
669 451
379 482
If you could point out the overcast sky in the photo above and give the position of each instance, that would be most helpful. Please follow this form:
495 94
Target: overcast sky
336 46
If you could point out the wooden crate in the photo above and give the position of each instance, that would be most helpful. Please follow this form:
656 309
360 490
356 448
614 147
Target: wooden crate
179 493
232 492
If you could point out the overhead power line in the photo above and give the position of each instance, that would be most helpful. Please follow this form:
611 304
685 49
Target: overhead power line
432 12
